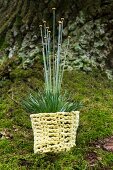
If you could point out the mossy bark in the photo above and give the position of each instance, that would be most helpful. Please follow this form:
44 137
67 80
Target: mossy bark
18 18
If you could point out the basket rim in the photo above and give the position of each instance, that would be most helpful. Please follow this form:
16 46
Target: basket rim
45 114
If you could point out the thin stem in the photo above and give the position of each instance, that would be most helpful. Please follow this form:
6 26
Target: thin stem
62 19
50 76
41 33
53 46
60 69
45 41
43 52
47 55
45 70
58 57
44 28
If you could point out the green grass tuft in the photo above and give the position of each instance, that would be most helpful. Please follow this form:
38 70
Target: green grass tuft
49 102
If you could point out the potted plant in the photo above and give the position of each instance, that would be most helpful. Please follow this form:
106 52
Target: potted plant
54 119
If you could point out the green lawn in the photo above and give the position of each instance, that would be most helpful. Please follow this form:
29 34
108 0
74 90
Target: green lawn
96 122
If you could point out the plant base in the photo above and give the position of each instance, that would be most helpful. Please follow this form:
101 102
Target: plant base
54 132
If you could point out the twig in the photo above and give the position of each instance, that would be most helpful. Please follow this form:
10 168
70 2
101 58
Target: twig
14 100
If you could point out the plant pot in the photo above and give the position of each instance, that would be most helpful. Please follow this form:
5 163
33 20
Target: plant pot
54 132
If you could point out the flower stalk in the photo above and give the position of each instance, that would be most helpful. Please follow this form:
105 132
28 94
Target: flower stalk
53 69
51 100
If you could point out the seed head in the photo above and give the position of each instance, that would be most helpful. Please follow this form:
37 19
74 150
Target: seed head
59 22
53 8
62 19
44 22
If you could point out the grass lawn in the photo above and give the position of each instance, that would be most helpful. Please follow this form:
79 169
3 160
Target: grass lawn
96 122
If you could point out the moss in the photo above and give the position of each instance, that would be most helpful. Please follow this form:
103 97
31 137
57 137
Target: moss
96 121
18 21
18 73
2 40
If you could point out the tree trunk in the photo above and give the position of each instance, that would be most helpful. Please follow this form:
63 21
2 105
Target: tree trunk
89 22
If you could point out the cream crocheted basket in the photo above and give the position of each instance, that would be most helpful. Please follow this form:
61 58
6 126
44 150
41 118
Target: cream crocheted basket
54 132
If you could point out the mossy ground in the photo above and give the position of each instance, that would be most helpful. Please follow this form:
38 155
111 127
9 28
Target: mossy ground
96 120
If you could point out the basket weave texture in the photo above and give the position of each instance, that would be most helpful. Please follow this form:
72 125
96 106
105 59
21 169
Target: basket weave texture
54 132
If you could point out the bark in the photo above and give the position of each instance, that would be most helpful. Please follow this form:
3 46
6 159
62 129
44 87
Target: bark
21 18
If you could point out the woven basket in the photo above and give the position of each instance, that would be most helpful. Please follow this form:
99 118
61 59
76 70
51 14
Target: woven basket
54 132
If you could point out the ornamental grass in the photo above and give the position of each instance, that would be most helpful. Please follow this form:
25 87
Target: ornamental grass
50 99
